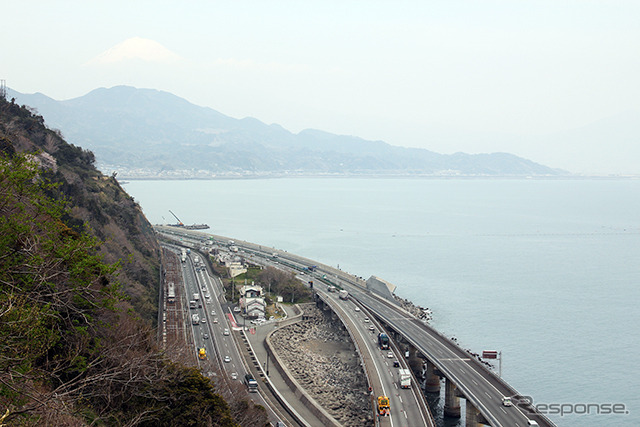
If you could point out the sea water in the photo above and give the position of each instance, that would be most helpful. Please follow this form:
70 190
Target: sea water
545 271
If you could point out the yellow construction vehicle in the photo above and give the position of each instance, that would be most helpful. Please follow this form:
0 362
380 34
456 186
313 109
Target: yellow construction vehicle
383 406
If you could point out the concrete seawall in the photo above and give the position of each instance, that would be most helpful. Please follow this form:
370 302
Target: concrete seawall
298 390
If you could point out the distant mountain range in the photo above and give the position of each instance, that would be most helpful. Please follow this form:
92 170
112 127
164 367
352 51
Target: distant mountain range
154 134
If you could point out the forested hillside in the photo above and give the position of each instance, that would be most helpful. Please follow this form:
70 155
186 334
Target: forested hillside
94 200
78 279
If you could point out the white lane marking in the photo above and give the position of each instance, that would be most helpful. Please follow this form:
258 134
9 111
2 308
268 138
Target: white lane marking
488 395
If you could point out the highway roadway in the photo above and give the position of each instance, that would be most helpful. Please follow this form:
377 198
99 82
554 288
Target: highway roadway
208 333
408 406
480 386
215 333
451 360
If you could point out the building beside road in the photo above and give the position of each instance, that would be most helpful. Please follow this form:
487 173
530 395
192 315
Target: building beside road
232 262
252 301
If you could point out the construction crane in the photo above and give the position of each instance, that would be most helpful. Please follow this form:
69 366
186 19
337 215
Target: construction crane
180 223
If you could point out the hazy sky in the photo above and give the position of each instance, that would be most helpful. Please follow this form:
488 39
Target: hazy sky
554 81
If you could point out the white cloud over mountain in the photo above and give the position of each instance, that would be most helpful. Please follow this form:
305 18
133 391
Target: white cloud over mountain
135 48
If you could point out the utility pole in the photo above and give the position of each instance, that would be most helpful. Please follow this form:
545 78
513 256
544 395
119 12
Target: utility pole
267 367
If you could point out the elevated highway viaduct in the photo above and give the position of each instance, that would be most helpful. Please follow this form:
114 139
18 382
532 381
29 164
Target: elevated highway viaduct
408 407
465 376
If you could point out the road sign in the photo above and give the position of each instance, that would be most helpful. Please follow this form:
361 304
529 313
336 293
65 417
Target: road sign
492 354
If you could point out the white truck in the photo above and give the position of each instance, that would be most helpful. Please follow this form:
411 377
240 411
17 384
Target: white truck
404 376
343 294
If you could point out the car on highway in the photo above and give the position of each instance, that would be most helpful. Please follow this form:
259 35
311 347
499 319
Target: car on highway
371 328
357 308
227 359
213 312
390 355
366 320
203 320
215 320
396 364
205 336
234 375
236 309
226 331
506 401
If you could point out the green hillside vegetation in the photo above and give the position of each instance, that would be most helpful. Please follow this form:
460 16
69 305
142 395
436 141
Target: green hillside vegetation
274 281
71 351
78 279
94 200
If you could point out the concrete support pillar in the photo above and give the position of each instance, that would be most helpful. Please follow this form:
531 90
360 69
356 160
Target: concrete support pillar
451 400
472 417
432 384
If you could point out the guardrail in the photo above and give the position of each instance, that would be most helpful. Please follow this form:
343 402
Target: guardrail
449 374
354 338
283 402
355 281
298 390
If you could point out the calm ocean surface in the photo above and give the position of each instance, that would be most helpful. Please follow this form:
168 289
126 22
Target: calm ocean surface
546 271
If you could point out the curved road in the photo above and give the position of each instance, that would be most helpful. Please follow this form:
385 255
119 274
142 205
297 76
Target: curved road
408 406
479 385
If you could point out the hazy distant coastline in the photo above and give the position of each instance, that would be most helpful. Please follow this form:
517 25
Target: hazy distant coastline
123 175
152 134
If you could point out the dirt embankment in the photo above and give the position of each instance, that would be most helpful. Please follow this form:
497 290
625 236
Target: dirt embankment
321 357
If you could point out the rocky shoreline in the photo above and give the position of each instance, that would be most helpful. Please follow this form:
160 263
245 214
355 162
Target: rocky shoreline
321 357
421 313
